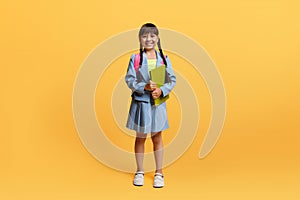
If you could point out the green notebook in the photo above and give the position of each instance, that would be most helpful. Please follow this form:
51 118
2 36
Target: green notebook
158 75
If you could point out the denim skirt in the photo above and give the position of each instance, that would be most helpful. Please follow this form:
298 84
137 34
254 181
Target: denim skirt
146 118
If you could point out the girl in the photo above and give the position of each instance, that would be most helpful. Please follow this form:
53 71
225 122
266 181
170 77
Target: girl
144 117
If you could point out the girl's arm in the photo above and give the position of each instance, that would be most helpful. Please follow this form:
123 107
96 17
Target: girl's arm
170 80
131 78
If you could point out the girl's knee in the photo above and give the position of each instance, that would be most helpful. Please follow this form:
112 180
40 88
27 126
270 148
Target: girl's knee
140 140
156 137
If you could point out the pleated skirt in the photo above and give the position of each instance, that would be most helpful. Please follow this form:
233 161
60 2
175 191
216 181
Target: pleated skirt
146 118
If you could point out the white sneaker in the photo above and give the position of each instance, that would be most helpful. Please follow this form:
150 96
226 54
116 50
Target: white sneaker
158 180
138 179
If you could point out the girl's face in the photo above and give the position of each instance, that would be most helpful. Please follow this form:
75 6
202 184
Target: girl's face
149 40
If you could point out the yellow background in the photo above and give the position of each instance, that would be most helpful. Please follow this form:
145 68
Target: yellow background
255 45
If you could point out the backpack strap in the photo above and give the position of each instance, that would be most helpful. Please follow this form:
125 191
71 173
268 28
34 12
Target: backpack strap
136 63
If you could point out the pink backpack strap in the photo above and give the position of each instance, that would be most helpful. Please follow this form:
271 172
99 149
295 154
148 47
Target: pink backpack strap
136 61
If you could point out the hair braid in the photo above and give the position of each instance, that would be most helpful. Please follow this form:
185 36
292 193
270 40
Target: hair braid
161 52
141 55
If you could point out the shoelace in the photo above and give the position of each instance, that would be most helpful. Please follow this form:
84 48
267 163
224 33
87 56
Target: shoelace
139 175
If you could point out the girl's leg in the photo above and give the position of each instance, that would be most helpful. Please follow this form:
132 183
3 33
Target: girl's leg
139 150
158 150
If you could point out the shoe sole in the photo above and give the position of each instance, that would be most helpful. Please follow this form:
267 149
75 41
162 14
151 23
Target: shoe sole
138 185
158 186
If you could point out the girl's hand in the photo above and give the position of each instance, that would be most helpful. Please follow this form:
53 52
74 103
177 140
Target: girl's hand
156 93
150 86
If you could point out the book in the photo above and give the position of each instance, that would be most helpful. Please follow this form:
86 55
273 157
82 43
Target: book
158 75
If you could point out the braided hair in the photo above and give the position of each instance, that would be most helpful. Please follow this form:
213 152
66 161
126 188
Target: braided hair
150 28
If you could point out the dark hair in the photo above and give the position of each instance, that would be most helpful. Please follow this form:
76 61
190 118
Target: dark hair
150 28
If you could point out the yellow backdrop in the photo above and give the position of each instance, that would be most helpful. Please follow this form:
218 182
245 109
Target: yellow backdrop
255 45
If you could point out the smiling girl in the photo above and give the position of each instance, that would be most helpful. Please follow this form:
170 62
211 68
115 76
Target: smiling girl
144 117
